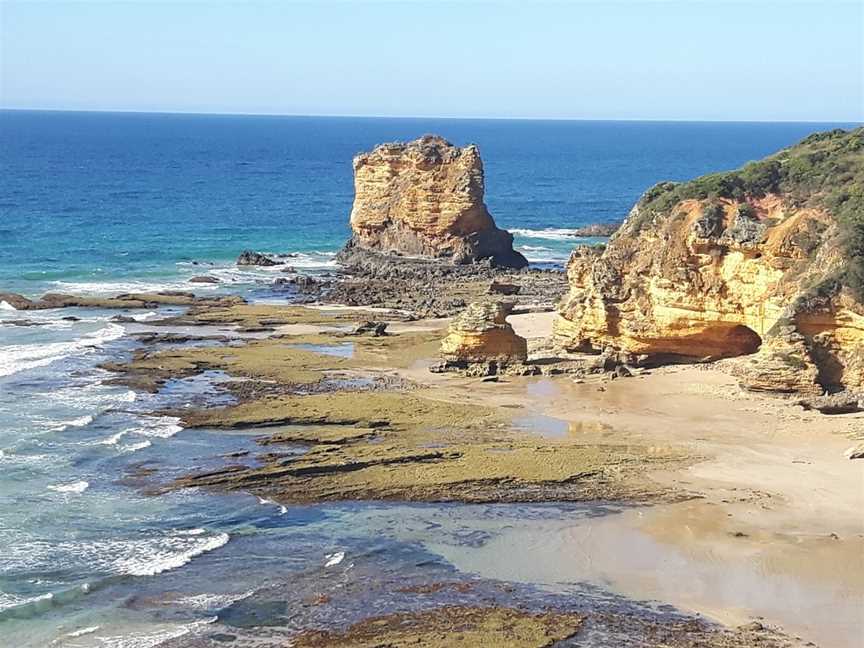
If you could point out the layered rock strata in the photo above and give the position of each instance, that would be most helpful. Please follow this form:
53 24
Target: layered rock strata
425 199
762 262
482 335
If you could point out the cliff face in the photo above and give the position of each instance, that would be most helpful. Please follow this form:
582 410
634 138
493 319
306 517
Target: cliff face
764 262
425 198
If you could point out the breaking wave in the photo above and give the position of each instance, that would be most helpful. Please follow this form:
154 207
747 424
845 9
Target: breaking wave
20 357
72 487
551 234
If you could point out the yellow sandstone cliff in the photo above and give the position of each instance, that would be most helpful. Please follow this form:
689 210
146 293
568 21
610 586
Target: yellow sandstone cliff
425 199
758 263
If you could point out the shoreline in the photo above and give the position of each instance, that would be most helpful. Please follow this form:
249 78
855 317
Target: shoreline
764 506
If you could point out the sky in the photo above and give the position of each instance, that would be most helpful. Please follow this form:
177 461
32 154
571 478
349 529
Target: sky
697 60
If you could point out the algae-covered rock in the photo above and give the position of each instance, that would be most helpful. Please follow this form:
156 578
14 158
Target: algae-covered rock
450 627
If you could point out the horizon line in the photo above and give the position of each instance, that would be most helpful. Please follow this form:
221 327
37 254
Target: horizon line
445 117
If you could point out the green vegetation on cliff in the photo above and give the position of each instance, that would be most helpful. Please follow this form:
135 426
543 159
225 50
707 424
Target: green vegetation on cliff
824 170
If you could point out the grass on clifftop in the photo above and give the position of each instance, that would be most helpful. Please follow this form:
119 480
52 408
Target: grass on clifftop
824 170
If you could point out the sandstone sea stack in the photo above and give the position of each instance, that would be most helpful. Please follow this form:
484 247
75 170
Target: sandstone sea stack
765 262
481 333
425 199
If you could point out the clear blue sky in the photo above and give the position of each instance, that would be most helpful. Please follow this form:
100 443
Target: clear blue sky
610 60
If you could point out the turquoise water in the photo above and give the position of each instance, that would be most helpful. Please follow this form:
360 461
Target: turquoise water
102 203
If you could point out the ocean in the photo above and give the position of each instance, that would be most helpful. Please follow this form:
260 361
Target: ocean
102 203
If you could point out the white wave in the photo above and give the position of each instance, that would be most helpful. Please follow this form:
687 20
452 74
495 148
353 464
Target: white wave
550 233
8 601
72 487
19 357
534 248
206 602
150 639
107 288
83 631
113 439
81 421
282 509
334 558
27 460
93 397
134 447
173 553
4 305
161 427
313 260
546 258
136 556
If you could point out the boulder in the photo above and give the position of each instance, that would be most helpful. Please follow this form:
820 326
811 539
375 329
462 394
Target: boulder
502 288
372 329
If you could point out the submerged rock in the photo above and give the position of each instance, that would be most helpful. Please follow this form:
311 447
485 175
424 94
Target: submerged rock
425 199
754 262
204 279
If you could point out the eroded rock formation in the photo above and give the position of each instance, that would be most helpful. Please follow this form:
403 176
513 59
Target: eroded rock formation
761 262
481 334
425 199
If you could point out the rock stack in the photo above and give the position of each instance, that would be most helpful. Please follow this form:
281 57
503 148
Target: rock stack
480 338
424 199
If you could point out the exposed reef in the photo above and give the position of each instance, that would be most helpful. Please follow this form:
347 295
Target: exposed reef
451 627
762 262
126 300
425 199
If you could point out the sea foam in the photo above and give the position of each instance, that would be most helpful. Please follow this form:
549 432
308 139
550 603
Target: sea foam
72 487
171 553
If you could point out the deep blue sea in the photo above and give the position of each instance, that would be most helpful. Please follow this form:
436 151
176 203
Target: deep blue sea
104 203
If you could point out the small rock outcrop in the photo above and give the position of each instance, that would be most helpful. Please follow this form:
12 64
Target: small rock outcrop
482 335
841 403
425 199
370 328
766 262
251 258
